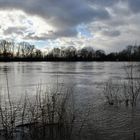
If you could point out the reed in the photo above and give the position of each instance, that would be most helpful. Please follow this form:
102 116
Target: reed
48 115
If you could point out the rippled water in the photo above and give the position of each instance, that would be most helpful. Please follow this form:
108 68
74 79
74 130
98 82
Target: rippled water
86 78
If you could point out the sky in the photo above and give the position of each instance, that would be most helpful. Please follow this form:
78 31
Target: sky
110 25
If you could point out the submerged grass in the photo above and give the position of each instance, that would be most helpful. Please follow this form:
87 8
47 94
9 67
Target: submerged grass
127 91
46 116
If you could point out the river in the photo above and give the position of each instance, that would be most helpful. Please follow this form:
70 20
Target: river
86 79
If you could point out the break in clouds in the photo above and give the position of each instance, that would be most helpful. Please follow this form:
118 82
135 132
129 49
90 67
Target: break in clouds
102 24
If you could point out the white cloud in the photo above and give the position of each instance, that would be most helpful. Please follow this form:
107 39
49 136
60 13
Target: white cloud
17 24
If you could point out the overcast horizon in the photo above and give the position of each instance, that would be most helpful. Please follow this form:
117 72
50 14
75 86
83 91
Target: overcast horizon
110 25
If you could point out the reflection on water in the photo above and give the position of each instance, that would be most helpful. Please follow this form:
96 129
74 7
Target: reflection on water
86 78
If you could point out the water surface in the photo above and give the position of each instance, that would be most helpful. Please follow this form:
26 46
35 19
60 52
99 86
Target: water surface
86 79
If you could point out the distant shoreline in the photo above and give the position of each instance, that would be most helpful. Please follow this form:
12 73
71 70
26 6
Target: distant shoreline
23 60
25 52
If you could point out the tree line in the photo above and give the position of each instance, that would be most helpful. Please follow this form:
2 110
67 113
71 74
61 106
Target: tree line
23 51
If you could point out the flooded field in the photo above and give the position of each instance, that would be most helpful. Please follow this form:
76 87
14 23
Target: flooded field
86 80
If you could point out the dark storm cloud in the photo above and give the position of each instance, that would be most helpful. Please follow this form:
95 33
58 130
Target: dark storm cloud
64 15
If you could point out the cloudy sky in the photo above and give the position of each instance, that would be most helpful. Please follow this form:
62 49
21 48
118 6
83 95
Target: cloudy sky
103 24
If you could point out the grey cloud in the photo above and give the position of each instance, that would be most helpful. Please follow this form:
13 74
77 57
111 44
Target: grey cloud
16 30
111 33
52 35
62 14
104 2
134 5
35 37
66 32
